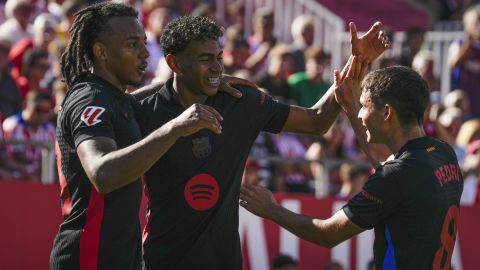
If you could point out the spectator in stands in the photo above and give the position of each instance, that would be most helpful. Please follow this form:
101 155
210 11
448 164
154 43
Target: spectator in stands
262 39
303 35
16 27
250 173
157 20
280 67
469 132
353 177
9 168
31 124
309 86
203 9
69 7
459 99
412 45
235 13
236 49
471 169
464 57
284 262
43 34
423 64
333 266
59 90
35 66
10 100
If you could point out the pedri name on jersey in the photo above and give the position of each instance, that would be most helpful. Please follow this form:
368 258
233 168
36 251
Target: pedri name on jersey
447 173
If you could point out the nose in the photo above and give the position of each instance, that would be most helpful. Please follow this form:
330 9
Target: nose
217 66
144 53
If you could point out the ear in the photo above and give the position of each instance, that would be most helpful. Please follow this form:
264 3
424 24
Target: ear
389 112
99 51
172 62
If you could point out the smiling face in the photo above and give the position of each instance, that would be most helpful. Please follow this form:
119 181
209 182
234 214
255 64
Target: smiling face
200 67
372 118
125 51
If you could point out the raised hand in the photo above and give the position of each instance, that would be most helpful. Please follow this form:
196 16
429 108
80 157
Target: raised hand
258 200
348 88
227 81
197 117
372 44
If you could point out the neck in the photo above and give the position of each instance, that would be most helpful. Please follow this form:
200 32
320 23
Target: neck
399 139
27 118
104 74
186 96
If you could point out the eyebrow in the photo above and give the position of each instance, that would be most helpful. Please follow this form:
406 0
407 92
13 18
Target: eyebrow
210 54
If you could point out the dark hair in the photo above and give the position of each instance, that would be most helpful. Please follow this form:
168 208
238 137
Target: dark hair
183 30
283 260
316 53
36 96
31 57
90 25
401 87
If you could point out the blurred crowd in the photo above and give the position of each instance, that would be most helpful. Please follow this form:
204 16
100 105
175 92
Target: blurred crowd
34 34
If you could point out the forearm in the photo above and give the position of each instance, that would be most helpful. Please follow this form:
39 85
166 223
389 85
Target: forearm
123 166
307 228
458 59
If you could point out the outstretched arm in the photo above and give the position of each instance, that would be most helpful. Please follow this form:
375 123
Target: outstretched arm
319 118
109 168
327 233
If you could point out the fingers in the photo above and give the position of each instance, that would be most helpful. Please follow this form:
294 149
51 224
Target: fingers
353 31
206 117
214 112
374 29
358 66
336 77
364 69
227 88
385 41
235 80
351 68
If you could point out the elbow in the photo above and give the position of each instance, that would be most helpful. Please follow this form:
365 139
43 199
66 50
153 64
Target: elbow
100 182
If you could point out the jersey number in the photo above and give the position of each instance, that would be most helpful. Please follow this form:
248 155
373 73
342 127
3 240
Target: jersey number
449 232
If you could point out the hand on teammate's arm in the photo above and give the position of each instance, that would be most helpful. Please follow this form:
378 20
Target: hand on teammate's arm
327 233
228 80
109 168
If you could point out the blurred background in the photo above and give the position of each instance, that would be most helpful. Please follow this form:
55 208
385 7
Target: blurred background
290 49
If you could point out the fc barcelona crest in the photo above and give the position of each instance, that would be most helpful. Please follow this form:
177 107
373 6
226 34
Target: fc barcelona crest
201 147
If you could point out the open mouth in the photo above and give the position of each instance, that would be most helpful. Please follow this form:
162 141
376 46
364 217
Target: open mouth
213 81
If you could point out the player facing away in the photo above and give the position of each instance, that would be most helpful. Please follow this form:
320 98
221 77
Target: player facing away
412 201
194 188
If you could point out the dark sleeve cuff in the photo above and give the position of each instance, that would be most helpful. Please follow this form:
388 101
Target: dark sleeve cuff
357 221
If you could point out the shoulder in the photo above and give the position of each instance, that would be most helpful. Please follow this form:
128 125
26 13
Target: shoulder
296 78
12 122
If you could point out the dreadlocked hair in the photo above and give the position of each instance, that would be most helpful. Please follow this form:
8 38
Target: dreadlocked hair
89 26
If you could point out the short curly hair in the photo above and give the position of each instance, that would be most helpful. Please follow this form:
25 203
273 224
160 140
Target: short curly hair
183 30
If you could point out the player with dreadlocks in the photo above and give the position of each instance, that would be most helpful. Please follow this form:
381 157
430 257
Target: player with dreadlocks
100 150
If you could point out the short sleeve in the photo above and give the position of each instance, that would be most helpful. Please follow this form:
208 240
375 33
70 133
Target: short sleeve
92 116
380 197
266 113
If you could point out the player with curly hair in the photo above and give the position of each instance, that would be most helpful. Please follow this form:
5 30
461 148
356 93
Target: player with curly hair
194 188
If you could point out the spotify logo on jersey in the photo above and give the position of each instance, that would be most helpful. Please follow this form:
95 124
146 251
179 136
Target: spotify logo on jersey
201 192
